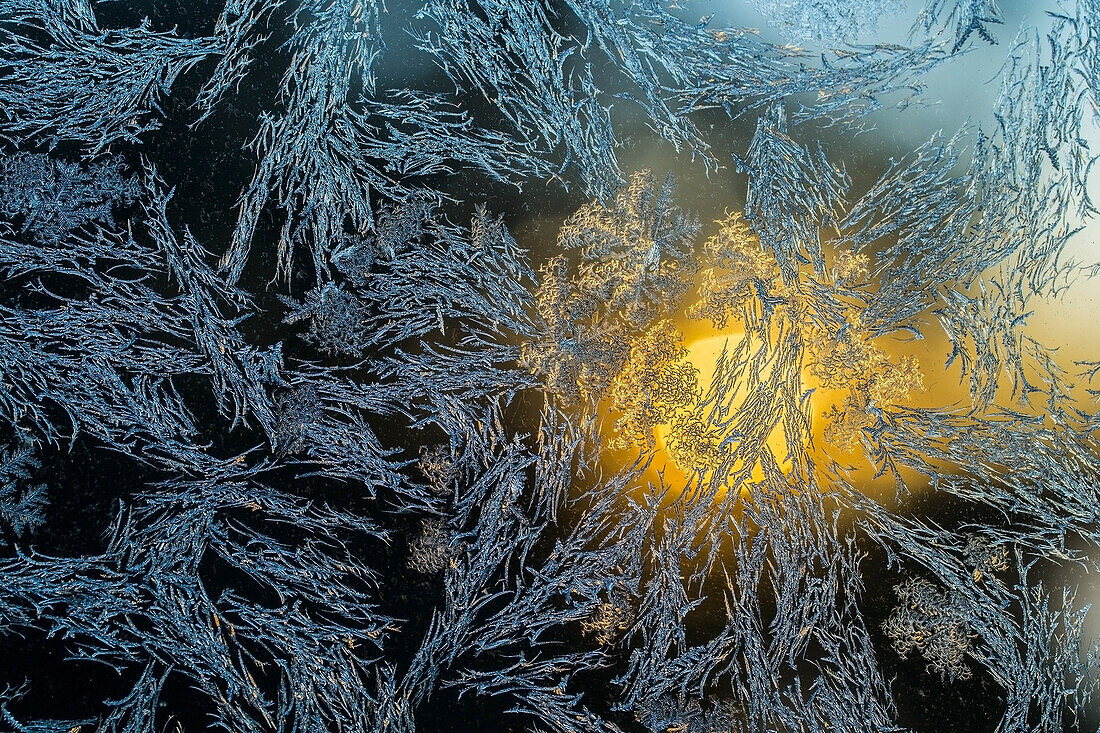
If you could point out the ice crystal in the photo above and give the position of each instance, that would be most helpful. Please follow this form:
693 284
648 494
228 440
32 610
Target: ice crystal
68 80
671 713
54 198
610 619
802 20
967 17
21 503
654 384
440 469
431 551
933 623
634 263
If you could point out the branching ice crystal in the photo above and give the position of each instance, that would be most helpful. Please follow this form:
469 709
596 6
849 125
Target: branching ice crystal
655 383
431 551
635 261
54 198
68 80
934 623
669 713
425 472
802 21
438 467
610 619
739 269
965 17
21 503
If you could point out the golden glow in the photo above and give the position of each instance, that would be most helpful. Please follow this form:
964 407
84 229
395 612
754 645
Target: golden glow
847 376
704 354
704 349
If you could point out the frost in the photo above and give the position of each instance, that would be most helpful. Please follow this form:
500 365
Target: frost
963 17
21 503
431 551
653 385
55 198
813 20
634 261
69 80
792 193
435 459
930 621
512 54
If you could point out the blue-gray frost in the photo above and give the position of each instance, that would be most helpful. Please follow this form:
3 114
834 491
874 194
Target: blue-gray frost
304 436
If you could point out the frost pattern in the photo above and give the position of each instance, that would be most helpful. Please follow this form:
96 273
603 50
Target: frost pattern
21 503
68 80
802 21
429 468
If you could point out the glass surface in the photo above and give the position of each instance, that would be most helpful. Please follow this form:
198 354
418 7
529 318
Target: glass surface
556 365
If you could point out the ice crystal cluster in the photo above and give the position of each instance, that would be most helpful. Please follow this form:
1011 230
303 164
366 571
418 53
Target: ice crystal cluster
308 427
